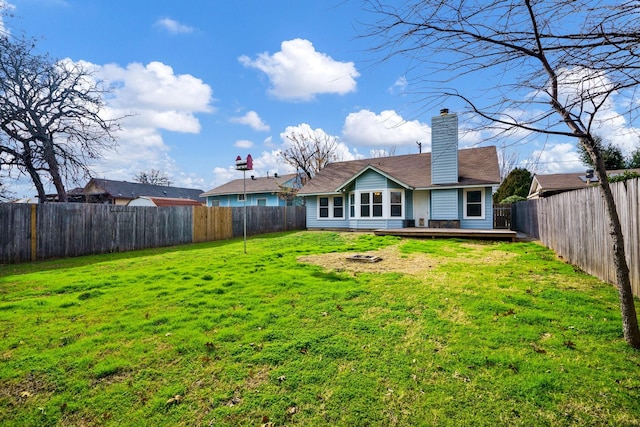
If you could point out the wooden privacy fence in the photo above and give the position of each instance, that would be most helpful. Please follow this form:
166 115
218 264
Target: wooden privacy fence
56 230
576 226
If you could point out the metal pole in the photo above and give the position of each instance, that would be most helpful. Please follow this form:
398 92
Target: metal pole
244 191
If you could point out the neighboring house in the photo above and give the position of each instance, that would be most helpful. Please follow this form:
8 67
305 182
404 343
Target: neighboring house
122 192
445 188
264 191
75 195
550 184
163 201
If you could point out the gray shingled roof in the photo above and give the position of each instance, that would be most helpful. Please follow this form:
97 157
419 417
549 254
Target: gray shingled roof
269 184
131 190
476 166
558 182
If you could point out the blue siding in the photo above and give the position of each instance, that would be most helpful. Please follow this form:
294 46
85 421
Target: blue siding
444 204
368 181
374 224
252 200
371 180
444 149
484 224
408 207
314 222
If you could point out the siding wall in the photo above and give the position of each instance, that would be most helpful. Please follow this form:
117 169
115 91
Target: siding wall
444 204
368 181
444 149
371 180
375 224
252 200
487 222
312 215
408 206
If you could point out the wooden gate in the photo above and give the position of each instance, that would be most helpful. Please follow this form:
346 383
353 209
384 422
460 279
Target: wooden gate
502 216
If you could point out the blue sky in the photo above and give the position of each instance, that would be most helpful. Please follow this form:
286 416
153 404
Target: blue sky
206 81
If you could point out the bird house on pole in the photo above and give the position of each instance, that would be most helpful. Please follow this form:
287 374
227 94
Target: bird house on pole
244 165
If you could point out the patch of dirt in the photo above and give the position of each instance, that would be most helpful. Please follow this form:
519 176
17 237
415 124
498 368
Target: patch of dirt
395 261
392 261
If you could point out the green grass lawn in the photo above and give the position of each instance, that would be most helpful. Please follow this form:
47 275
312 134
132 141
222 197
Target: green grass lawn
481 334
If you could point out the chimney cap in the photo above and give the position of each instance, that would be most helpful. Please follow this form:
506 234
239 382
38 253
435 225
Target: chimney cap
444 111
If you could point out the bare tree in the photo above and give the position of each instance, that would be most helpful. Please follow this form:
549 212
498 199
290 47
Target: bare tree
154 177
562 61
5 194
309 153
507 162
379 153
50 113
18 157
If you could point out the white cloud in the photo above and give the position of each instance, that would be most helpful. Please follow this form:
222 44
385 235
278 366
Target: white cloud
156 86
266 162
154 99
557 158
298 72
253 120
172 26
342 152
271 162
268 142
613 127
399 86
5 7
386 129
188 180
243 143
223 175
578 83
138 149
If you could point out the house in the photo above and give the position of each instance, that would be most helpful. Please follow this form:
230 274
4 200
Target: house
448 187
163 201
122 192
545 185
263 191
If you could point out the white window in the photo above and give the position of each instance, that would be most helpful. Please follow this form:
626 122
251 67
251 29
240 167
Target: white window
215 203
377 204
395 203
241 197
474 204
352 205
371 204
261 202
331 207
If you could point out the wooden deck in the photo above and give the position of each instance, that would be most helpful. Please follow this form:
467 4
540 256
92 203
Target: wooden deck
457 233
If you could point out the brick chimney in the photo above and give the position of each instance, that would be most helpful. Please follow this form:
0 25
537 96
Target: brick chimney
444 148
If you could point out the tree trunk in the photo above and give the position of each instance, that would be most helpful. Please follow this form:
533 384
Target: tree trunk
54 170
37 182
627 306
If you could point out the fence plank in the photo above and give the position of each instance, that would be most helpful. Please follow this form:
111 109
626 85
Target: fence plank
576 226
72 229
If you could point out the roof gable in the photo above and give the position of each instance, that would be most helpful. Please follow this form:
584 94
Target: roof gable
366 169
